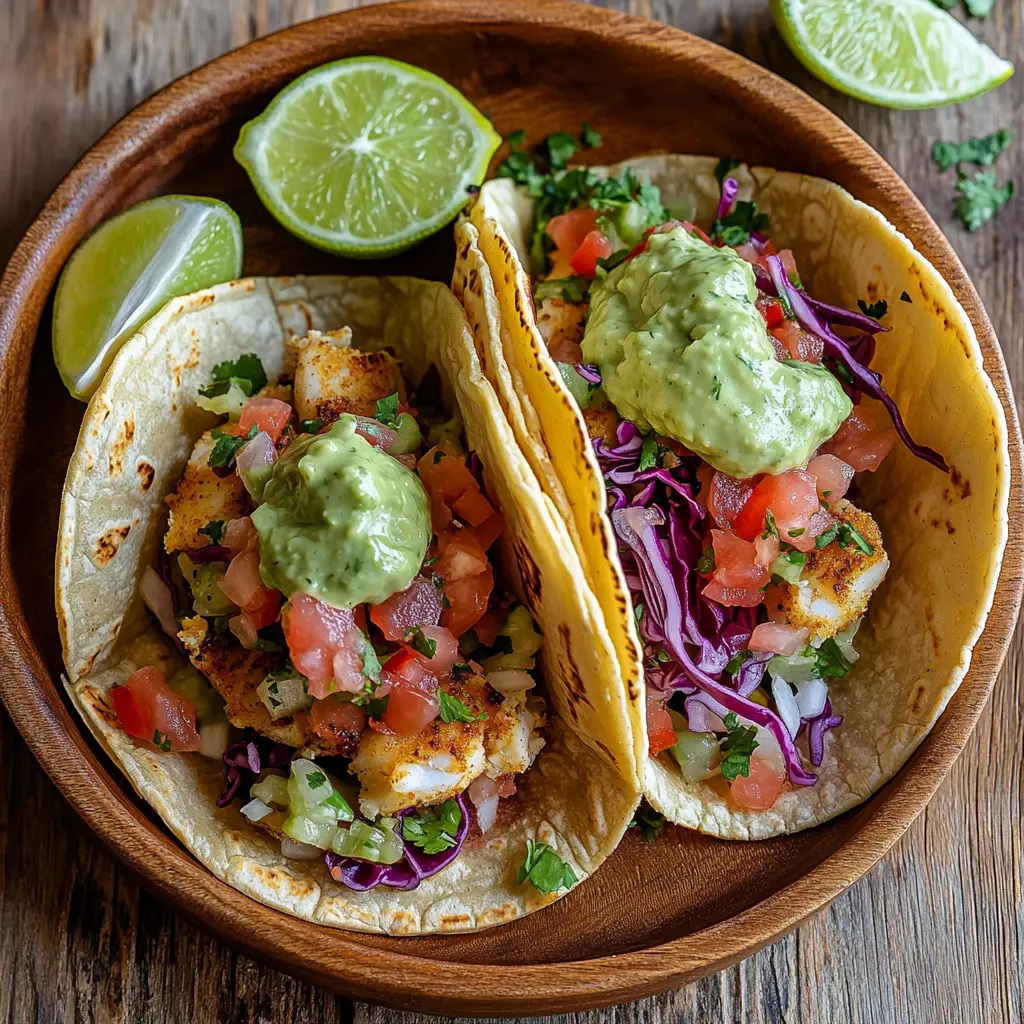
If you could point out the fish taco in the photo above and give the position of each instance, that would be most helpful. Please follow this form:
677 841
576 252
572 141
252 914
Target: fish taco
302 607
764 419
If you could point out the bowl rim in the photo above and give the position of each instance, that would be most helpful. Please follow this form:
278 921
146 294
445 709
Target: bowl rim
364 971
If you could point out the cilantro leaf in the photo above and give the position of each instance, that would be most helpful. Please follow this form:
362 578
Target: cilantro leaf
724 166
706 562
161 740
983 150
561 147
737 661
248 367
433 830
374 706
649 821
875 310
770 529
371 663
591 137
387 409
313 426
829 660
571 289
544 869
826 538
979 8
736 227
315 779
453 710
214 530
426 645
849 536
980 198
222 387
716 387
737 746
648 453
608 263
795 557
517 138
228 446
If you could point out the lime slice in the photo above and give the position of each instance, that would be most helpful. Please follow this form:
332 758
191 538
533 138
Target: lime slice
896 53
366 156
129 267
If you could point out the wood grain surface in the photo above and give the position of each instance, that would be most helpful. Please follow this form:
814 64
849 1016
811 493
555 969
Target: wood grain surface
931 934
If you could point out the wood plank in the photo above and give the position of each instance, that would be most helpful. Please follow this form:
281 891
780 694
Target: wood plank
933 933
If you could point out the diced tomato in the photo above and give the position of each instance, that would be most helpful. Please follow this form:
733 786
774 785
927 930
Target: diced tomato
792 498
467 601
347 663
819 523
243 584
690 229
798 343
789 265
489 530
419 604
733 597
506 785
267 414
315 633
487 628
440 515
660 734
761 788
446 650
736 562
863 439
244 630
568 230
237 534
584 260
412 702
777 638
460 555
726 496
832 475
338 720
771 310
766 549
445 476
149 709
473 508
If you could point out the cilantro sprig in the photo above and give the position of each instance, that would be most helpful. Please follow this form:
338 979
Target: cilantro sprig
571 289
980 198
387 409
214 530
433 829
649 821
246 371
737 746
544 869
982 151
453 710
228 446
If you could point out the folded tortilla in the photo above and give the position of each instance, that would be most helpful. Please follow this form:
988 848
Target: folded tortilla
944 534
137 434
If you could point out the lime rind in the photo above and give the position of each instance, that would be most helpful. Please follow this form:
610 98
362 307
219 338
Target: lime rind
946 64
127 268
370 139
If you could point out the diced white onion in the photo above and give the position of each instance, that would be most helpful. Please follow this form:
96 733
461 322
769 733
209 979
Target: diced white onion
159 600
299 851
786 704
484 794
508 680
256 809
244 631
213 739
811 697
260 451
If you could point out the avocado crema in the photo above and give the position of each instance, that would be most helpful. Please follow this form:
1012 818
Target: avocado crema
683 350
339 519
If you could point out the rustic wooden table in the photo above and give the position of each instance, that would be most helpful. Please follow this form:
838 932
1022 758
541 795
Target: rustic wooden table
933 933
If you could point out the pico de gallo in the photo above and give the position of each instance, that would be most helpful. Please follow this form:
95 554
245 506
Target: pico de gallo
327 569
729 412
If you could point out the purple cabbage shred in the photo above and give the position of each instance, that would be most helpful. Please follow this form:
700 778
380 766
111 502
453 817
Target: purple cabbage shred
246 758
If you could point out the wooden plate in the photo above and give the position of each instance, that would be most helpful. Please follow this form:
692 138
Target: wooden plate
655 915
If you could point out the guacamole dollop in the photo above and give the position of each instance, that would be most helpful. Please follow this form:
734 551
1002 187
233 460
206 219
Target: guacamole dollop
683 351
339 519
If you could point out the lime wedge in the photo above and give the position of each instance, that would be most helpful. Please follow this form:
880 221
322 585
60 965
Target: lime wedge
366 156
129 267
896 53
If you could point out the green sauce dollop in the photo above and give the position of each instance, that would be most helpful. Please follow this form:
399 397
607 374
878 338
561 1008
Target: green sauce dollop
683 350
339 519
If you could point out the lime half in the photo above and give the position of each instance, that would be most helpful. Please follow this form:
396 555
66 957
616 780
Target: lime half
896 53
129 267
366 156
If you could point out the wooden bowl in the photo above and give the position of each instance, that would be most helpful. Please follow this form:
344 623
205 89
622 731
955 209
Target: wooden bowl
656 915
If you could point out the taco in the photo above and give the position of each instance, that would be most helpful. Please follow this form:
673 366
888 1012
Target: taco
793 560
300 602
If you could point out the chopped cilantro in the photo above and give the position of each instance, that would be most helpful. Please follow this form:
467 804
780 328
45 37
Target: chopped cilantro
371 663
313 426
228 446
848 535
434 829
716 387
648 453
502 645
387 409
829 660
608 263
544 869
426 645
561 148
980 198
571 289
517 138
315 779
590 137
247 367
438 456
638 614
453 710
795 557
214 530
374 706
770 529
737 661
799 532
706 562
736 227
875 310
826 538
649 821
724 166
737 746
983 150
222 387
161 740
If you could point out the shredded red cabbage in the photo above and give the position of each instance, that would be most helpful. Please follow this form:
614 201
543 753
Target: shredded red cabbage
590 373
245 760
211 553
730 189
407 873
816 730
